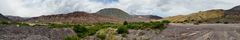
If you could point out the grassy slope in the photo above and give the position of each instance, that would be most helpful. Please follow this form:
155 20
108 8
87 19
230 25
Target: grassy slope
204 16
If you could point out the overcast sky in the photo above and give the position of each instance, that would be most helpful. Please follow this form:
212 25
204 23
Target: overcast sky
32 8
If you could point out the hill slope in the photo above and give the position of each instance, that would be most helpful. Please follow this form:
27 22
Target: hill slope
205 16
75 17
210 16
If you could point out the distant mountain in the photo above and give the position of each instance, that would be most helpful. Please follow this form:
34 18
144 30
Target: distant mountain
147 17
16 18
3 18
75 17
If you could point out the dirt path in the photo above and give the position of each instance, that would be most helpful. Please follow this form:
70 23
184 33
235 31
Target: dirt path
201 32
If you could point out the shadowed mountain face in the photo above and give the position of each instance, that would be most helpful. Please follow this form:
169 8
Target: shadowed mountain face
16 18
233 11
3 18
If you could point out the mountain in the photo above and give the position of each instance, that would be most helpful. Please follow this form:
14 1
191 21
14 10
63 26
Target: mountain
122 15
233 11
114 12
3 18
203 16
104 15
16 18
146 17
74 17
210 16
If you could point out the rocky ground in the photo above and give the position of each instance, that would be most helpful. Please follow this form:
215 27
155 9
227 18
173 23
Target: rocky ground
190 32
173 32
186 32
33 33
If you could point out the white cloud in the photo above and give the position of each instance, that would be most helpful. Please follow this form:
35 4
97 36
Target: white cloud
31 8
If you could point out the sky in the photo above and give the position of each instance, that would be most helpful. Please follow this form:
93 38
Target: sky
164 8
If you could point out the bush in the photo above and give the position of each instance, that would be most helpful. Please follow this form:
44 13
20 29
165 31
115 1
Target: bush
4 22
60 25
23 24
72 38
133 26
106 34
225 22
165 21
125 23
159 25
122 30
80 30
218 22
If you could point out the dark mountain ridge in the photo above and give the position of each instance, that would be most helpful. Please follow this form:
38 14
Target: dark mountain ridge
3 18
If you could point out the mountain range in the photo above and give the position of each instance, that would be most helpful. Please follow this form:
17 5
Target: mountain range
112 15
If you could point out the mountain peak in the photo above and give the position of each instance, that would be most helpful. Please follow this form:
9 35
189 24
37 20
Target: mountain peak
113 12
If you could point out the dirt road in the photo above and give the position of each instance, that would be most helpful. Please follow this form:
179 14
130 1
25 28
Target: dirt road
201 32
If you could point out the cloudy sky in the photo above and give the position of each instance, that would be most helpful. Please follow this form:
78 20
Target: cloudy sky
32 8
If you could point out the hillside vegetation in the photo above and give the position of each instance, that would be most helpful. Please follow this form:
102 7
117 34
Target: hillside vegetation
202 16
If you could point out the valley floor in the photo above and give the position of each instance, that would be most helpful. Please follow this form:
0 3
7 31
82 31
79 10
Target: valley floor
201 32
173 32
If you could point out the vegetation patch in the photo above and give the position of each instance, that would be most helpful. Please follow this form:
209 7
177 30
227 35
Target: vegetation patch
106 31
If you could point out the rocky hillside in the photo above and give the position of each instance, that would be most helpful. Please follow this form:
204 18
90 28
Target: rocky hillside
210 16
75 17
203 16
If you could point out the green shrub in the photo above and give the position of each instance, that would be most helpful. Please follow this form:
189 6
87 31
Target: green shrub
125 23
80 30
72 38
60 25
122 30
106 34
101 35
23 24
4 22
165 21
133 26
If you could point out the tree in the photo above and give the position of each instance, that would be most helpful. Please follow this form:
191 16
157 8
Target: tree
125 23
